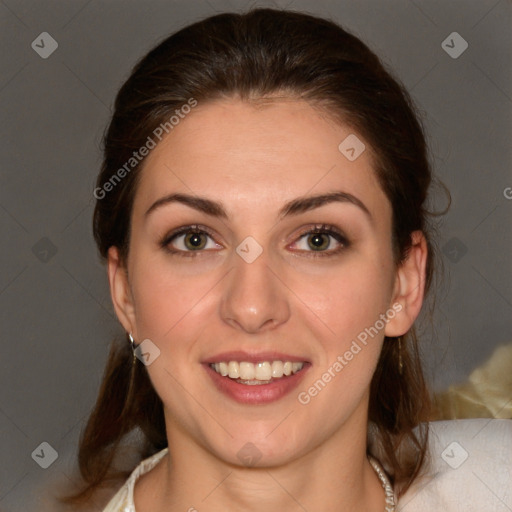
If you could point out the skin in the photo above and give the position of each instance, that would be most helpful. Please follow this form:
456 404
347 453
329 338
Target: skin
254 158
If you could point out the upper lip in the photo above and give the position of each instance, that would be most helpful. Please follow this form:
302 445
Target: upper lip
253 357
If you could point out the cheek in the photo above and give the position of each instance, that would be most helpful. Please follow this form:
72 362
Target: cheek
172 311
351 334
347 299
168 303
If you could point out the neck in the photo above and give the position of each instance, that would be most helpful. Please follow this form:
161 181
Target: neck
334 477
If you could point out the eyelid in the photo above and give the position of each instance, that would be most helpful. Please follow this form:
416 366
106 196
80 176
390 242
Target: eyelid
328 230
198 228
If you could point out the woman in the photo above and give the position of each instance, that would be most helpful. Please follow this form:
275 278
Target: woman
262 212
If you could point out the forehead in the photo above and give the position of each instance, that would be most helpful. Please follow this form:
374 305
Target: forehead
258 154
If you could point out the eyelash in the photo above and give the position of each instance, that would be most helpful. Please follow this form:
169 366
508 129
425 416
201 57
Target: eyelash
197 229
324 229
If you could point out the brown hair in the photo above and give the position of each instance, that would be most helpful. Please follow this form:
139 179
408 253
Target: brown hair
251 56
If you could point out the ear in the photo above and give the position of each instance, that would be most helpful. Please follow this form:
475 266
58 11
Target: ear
409 287
120 291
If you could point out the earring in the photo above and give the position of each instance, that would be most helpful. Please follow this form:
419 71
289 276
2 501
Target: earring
133 371
400 362
132 343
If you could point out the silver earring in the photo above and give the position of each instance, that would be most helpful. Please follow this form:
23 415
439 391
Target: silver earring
132 343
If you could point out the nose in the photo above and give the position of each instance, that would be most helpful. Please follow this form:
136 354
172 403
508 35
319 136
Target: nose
254 298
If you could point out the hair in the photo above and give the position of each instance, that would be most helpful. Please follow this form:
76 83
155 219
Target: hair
252 56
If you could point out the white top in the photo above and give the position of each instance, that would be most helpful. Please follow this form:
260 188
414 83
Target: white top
471 470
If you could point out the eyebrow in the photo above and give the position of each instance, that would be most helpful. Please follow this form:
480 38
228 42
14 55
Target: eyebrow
294 207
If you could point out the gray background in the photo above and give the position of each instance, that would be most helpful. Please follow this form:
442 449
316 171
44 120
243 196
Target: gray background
55 311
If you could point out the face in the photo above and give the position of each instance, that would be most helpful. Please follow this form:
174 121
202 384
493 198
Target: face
232 261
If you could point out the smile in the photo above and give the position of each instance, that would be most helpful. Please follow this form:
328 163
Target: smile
251 374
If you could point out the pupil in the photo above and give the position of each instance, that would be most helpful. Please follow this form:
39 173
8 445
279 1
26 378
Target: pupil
318 241
194 241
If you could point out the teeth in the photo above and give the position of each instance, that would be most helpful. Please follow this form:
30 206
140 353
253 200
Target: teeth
296 367
277 369
224 370
259 373
233 370
263 371
247 371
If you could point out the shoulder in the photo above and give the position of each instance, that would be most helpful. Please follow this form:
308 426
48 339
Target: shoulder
123 499
469 468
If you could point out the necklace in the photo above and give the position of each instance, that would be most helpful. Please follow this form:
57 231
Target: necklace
390 495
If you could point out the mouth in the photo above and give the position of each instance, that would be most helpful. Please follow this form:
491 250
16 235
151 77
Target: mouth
257 374
262 379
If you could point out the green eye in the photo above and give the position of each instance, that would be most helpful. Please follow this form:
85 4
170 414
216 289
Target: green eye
322 240
318 241
189 239
195 241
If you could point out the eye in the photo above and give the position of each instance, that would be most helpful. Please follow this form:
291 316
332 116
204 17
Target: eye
324 240
189 239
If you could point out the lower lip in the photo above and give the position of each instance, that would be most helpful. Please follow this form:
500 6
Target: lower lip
259 393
